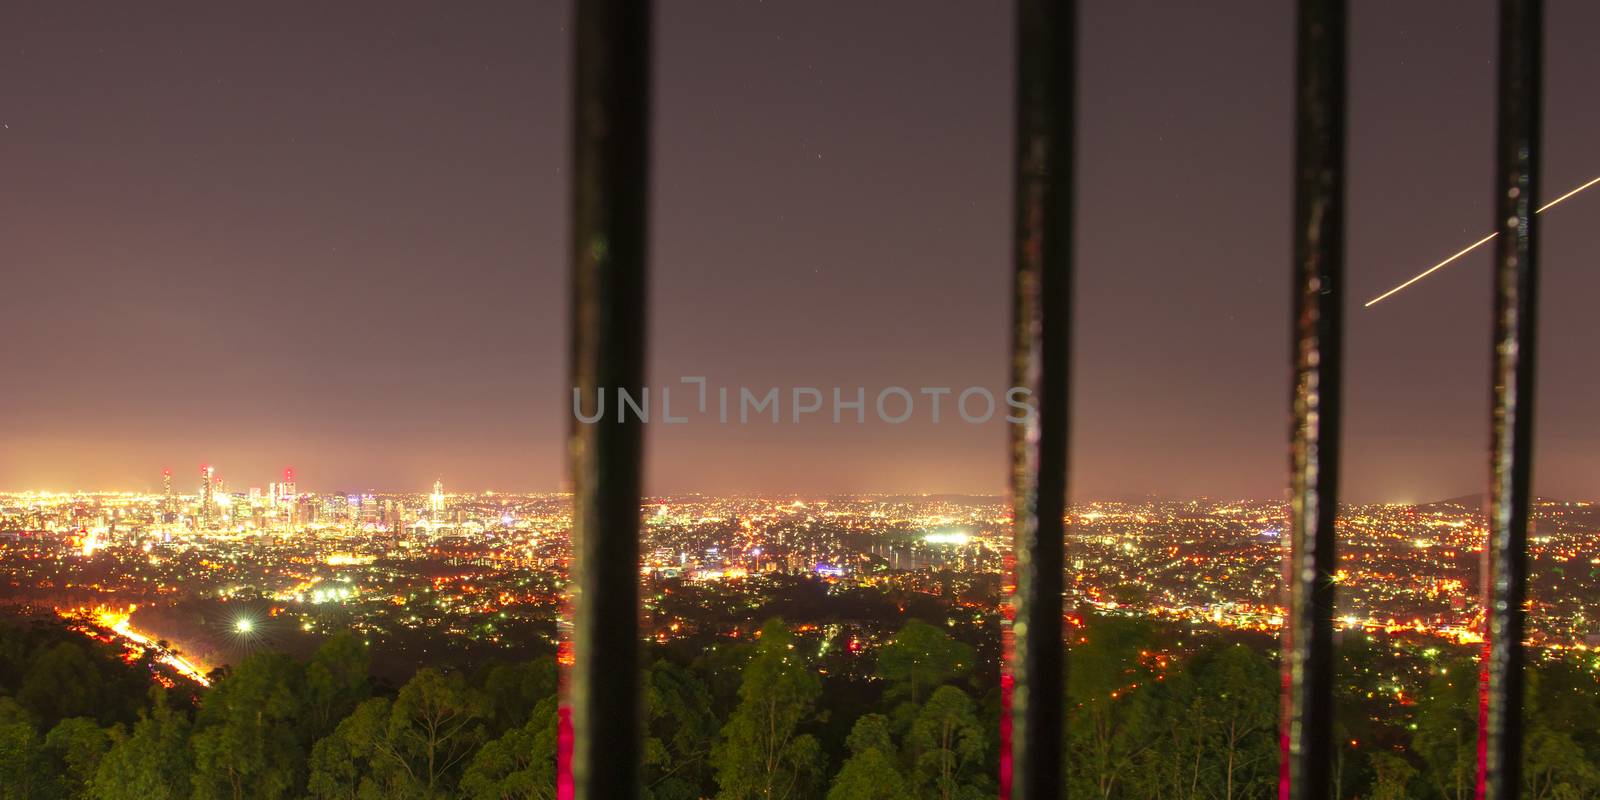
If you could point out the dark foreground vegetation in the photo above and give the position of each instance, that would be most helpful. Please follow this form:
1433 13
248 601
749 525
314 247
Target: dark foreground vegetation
755 719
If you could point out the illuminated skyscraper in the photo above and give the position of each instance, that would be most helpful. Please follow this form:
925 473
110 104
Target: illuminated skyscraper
208 506
289 495
436 502
169 501
392 514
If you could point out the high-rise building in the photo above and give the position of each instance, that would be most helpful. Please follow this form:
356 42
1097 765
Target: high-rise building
289 495
436 502
208 508
169 499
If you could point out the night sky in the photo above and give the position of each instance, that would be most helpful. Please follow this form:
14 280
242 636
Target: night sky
333 235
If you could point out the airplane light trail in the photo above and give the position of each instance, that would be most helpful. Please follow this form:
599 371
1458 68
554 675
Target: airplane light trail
1475 245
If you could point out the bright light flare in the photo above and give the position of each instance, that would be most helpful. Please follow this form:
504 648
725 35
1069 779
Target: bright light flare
1475 245
947 537
244 625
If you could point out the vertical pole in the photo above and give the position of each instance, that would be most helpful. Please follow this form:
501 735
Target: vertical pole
1511 449
600 753
1306 733
1034 678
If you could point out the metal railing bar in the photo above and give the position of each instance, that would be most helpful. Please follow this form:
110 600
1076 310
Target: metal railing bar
1035 674
1505 568
601 751
1316 409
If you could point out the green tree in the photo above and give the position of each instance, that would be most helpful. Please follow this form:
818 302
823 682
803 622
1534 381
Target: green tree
763 753
355 762
247 738
1555 765
920 657
1566 696
434 725
521 764
336 681
679 730
949 745
1113 706
1447 730
1365 717
410 748
870 732
1236 703
1174 767
515 690
1392 777
61 682
151 762
75 748
1555 768
13 657
871 771
53 673
21 755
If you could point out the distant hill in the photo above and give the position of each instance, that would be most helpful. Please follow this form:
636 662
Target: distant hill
1474 502
1468 501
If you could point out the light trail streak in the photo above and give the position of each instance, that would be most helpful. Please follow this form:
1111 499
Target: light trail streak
1475 245
117 622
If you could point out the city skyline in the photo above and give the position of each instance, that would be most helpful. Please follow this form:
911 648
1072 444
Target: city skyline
164 483
1409 570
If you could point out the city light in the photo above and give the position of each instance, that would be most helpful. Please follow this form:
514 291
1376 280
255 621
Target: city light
947 537
476 565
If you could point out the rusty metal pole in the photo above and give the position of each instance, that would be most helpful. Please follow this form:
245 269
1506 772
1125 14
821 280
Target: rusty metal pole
601 750
1035 671
1516 283
1305 770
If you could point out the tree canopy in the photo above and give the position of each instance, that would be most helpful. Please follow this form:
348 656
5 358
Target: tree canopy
765 719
